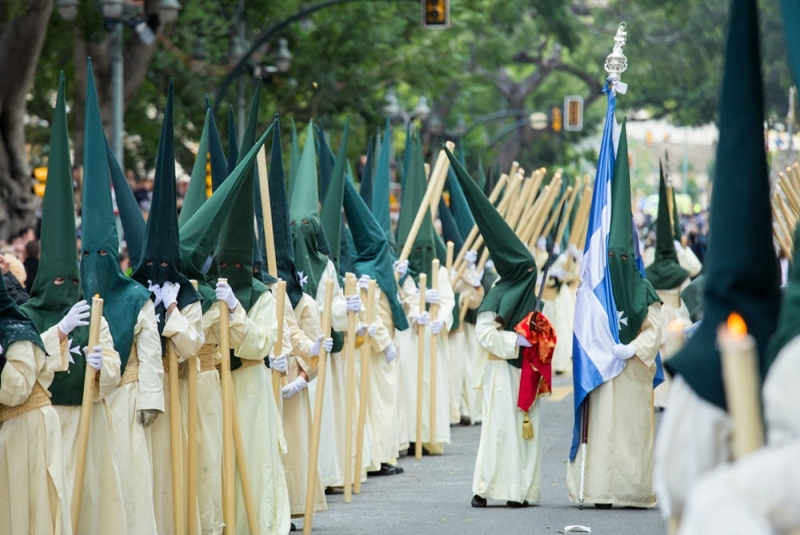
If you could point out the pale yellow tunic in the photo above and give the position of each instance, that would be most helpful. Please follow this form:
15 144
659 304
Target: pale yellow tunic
102 507
672 309
508 467
184 331
464 399
130 451
409 367
33 492
297 342
619 450
252 336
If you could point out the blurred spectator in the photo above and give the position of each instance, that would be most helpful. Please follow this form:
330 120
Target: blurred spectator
31 263
12 269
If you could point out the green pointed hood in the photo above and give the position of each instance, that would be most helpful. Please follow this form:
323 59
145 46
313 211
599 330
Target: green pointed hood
233 143
100 273
381 191
424 250
326 161
741 270
294 162
196 192
481 174
233 256
260 268
281 226
365 188
130 214
160 261
305 220
450 230
458 205
632 293
49 301
372 255
676 217
331 212
514 295
665 273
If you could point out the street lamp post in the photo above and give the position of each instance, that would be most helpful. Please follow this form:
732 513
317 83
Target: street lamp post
118 13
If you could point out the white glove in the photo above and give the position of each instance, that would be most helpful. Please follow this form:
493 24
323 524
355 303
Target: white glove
557 273
522 342
169 293
94 358
401 268
557 249
489 264
278 363
436 326
432 297
316 345
572 249
327 344
225 293
76 317
623 351
423 319
155 289
294 387
146 417
477 279
391 353
366 328
541 243
363 282
471 257
354 303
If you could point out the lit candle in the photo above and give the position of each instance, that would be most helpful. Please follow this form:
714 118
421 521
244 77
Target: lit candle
741 378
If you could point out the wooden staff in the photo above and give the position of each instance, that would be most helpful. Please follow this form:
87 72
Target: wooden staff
555 188
313 447
86 414
228 460
350 391
547 228
423 283
793 180
781 232
579 223
434 348
473 234
789 192
448 259
440 170
567 214
366 355
532 214
421 212
534 185
178 500
789 216
272 262
191 450
244 475
280 296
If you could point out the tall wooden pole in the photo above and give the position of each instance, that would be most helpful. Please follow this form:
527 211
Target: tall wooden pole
228 459
366 355
176 442
423 283
350 392
191 449
434 349
280 310
87 402
313 447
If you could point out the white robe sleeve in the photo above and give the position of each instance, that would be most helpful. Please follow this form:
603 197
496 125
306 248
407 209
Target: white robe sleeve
184 328
689 261
151 368
648 340
254 334
447 299
493 339
409 296
19 373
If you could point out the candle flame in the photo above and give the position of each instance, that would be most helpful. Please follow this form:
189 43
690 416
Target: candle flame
736 325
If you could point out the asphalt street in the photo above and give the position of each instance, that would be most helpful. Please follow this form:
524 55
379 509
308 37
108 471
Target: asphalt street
433 495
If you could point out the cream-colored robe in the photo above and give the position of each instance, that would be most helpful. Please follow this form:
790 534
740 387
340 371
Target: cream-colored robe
410 298
252 336
103 507
561 313
672 309
33 492
465 400
619 449
130 451
508 467
297 344
184 329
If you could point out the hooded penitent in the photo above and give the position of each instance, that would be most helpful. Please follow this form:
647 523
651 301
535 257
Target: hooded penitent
632 293
332 195
281 227
372 254
130 214
741 267
424 250
381 187
665 273
100 273
161 261
304 215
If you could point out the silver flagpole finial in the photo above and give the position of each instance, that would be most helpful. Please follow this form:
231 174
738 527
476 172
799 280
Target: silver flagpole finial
616 62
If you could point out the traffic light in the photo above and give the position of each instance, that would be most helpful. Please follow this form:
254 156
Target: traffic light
435 14
40 174
573 110
556 120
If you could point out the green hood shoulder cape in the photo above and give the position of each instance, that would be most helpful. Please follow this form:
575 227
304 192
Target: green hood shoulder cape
514 295
741 268
665 273
161 261
100 273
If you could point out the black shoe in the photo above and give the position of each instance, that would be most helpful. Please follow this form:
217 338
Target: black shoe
516 505
465 420
412 446
477 501
398 469
292 527
385 470
602 506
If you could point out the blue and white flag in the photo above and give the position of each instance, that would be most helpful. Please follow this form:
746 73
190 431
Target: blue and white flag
596 327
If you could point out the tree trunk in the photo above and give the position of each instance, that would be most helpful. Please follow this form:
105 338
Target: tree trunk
22 29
